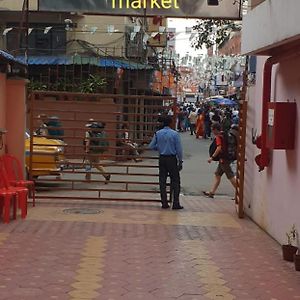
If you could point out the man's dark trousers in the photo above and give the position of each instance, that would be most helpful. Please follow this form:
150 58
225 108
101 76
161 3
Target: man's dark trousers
168 166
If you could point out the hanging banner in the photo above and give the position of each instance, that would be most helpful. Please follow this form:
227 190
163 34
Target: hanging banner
217 9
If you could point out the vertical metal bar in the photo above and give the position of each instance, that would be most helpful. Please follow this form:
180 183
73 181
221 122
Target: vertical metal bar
26 31
174 113
31 110
239 194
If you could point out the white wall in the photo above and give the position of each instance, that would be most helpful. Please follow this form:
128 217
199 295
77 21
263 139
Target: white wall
272 197
271 22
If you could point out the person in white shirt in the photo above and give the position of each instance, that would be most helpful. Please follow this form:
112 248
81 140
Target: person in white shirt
192 119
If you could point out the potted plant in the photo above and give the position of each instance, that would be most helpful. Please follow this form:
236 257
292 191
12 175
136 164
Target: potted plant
297 260
289 250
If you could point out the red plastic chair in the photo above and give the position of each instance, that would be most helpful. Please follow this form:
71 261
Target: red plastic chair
6 198
20 192
15 174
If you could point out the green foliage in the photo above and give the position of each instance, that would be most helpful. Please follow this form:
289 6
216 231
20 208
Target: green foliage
36 86
213 32
94 84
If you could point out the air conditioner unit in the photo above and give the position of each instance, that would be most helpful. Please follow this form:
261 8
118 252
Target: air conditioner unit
212 2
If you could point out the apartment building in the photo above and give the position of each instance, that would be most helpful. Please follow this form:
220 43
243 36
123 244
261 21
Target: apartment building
64 48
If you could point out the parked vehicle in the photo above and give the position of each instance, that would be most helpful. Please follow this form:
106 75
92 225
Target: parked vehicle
47 158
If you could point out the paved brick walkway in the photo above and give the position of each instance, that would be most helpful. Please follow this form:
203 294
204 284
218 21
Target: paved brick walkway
138 251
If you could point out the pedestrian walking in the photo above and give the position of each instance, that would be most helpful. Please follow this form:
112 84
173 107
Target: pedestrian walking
167 142
192 118
207 124
200 124
224 165
95 144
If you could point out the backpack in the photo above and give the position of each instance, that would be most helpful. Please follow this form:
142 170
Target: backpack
56 132
98 142
229 147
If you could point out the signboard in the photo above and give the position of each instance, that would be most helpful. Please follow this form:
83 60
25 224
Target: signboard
157 31
221 9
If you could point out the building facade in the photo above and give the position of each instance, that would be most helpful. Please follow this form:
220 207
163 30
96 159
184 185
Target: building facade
64 48
270 31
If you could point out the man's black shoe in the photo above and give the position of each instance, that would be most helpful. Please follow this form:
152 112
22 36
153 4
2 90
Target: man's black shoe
177 207
165 206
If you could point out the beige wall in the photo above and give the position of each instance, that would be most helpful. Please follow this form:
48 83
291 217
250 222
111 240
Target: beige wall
17 4
110 44
101 37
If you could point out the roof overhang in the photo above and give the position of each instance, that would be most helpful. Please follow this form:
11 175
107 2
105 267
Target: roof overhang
271 27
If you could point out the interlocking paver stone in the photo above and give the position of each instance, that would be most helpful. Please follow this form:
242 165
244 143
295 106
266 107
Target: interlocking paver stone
135 251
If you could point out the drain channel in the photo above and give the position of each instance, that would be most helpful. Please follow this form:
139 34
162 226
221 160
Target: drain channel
82 211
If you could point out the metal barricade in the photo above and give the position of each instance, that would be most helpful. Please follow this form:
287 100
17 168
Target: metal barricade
62 166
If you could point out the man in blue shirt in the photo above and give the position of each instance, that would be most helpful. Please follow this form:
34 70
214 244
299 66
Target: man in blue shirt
168 144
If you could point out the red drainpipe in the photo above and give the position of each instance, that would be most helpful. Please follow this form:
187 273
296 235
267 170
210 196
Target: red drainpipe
263 159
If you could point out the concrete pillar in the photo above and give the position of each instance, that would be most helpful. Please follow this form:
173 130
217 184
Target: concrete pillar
15 118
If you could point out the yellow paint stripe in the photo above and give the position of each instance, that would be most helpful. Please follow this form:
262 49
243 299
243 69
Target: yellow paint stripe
137 216
3 237
89 274
208 272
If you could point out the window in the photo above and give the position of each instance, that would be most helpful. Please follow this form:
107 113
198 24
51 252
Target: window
52 43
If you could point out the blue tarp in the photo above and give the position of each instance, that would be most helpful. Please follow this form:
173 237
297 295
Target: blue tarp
10 57
223 101
100 62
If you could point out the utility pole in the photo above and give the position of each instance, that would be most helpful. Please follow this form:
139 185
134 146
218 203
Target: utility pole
24 26
26 30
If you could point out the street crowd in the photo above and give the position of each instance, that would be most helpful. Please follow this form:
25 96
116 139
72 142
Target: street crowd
198 118
220 124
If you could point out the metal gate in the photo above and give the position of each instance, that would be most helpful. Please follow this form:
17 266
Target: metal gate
56 156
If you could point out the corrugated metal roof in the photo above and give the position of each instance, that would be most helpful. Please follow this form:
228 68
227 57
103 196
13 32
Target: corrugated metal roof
100 62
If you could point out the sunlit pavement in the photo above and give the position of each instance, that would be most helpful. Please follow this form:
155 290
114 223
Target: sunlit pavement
139 251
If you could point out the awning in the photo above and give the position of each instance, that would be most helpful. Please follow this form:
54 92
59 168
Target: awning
10 58
80 60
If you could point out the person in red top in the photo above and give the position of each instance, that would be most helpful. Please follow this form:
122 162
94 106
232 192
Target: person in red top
224 164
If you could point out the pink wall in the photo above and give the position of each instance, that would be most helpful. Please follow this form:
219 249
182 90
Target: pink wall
15 117
12 114
272 197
